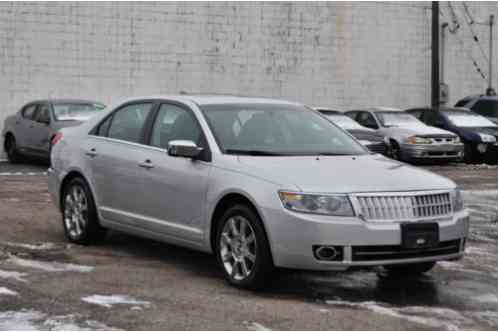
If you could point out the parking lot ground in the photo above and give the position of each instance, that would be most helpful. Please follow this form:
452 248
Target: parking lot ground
133 283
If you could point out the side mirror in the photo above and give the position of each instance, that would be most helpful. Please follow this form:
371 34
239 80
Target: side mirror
186 149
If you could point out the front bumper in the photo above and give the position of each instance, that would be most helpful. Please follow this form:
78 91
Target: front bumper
293 235
432 151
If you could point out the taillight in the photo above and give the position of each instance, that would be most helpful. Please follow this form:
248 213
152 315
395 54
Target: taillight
56 139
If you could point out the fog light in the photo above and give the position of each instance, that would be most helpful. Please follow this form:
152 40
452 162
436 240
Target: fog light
328 253
482 148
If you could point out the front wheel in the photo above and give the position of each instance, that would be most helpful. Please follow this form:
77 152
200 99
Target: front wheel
79 214
410 269
242 248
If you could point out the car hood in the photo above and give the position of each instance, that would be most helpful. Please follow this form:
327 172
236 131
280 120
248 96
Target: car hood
420 130
367 135
483 130
343 174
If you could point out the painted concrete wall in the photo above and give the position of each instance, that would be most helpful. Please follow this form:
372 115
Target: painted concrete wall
342 55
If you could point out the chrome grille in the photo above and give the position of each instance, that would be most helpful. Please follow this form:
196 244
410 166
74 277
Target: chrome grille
402 206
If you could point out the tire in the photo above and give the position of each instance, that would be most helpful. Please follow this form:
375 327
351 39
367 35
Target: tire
410 269
13 155
79 214
395 151
234 252
471 155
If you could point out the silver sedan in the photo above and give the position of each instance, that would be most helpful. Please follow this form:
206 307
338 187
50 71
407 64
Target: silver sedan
260 183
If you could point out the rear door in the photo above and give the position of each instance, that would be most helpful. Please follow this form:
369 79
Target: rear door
175 187
40 130
24 125
115 153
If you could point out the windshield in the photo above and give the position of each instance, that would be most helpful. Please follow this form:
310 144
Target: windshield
397 119
76 111
468 119
270 129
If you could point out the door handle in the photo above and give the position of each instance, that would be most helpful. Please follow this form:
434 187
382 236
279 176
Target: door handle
92 153
147 164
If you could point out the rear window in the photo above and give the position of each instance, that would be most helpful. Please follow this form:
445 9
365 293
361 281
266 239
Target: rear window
76 111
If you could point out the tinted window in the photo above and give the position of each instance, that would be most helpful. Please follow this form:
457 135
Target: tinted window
43 113
486 108
273 129
367 120
29 112
104 127
174 123
127 123
76 111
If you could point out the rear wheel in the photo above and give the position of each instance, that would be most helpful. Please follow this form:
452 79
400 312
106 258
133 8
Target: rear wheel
410 269
79 214
242 249
11 149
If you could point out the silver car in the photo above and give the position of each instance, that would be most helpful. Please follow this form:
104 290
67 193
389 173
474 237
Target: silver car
411 140
260 183
30 131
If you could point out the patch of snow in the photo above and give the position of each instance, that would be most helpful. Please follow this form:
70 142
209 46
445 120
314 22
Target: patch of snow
438 318
31 320
49 266
6 291
253 326
38 246
19 320
13 275
488 298
109 301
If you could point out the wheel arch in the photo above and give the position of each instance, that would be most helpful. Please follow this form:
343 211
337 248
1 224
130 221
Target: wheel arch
67 178
227 200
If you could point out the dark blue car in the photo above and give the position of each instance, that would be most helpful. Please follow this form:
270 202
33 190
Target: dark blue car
478 134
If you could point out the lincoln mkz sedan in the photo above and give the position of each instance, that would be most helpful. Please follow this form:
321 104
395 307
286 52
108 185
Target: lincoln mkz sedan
260 183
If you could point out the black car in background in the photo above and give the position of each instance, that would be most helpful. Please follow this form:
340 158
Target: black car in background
368 137
486 106
479 135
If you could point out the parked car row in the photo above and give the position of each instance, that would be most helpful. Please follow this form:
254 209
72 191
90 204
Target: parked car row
29 132
261 183
424 134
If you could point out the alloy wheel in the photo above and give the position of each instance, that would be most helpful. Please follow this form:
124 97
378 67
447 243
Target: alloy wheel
75 211
238 248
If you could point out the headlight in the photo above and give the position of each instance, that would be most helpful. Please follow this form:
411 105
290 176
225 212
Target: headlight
334 205
418 140
487 138
457 200
456 139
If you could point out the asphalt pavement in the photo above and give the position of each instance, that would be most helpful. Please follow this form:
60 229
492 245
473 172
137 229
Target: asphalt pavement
133 283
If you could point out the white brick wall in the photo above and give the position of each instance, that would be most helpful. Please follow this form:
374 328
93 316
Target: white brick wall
330 54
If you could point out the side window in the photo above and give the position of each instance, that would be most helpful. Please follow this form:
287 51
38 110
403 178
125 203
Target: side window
127 123
29 112
103 128
486 108
367 120
43 114
174 123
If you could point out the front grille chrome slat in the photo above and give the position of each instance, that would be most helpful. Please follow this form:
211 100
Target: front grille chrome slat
404 206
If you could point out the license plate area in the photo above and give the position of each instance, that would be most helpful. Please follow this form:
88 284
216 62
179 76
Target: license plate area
419 235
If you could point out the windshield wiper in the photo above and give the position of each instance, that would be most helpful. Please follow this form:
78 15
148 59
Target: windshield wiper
254 152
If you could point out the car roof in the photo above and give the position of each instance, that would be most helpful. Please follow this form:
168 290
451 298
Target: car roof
217 99
377 109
